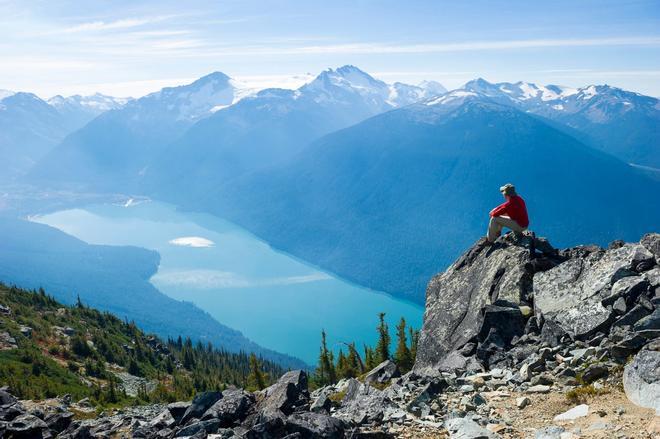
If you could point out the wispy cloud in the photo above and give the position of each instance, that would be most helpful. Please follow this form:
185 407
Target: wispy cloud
125 23
368 48
215 279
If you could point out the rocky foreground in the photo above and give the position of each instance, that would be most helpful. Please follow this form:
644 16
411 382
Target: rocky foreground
519 340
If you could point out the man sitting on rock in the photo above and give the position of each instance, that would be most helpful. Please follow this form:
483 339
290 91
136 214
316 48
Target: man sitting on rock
511 214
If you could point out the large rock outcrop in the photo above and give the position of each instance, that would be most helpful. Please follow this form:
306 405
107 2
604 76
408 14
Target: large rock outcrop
456 300
498 302
578 294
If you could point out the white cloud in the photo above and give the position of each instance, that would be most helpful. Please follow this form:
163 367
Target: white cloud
215 279
125 23
369 48
192 241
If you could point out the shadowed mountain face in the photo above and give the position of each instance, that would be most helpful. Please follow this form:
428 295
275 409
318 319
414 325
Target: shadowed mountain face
111 278
205 133
272 126
112 150
616 121
391 200
30 127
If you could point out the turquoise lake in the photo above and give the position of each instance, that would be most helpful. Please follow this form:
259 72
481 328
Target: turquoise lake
274 299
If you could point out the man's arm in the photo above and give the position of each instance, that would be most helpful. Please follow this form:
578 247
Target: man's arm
500 210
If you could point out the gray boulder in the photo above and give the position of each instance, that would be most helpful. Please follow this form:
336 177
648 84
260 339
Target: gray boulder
178 409
27 426
641 380
455 298
651 241
649 322
315 425
200 404
462 428
231 408
383 373
363 403
289 392
6 398
205 427
572 292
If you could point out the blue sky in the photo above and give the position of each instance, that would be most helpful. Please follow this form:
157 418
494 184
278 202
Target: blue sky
134 47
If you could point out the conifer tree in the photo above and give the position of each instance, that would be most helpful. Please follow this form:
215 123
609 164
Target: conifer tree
369 358
342 366
402 356
256 380
325 371
383 345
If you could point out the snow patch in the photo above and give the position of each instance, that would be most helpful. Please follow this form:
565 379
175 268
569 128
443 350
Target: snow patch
451 97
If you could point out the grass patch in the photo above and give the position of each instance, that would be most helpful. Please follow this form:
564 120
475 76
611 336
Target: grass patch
337 396
582 393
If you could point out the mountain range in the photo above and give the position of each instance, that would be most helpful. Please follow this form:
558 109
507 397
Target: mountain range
390 200
380 183
619 122
31 126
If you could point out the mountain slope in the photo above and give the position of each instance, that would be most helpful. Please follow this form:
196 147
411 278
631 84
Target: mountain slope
113 149
79 110
389 201
50 349
619 122
29 128
272 126
111 278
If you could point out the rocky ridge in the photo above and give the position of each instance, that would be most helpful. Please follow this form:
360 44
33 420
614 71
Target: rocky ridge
510 329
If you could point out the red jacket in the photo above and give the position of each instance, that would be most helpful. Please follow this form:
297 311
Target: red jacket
514 207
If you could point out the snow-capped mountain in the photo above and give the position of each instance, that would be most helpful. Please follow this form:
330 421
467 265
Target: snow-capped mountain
29 128
272 126
96 104
349 82
79 110
620 122
354 200
117 145
192 102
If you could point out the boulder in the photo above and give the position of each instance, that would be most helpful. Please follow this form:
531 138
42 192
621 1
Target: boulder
633 316
578 411
178 409
653 277
641 379
383 373
594 372
463 428
508 322
58 422
363 403
200 404
651 242
649 322
6 398
287 393
572 292
455 298
321 404
26 426
628 288
231 408
315 425
206 427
